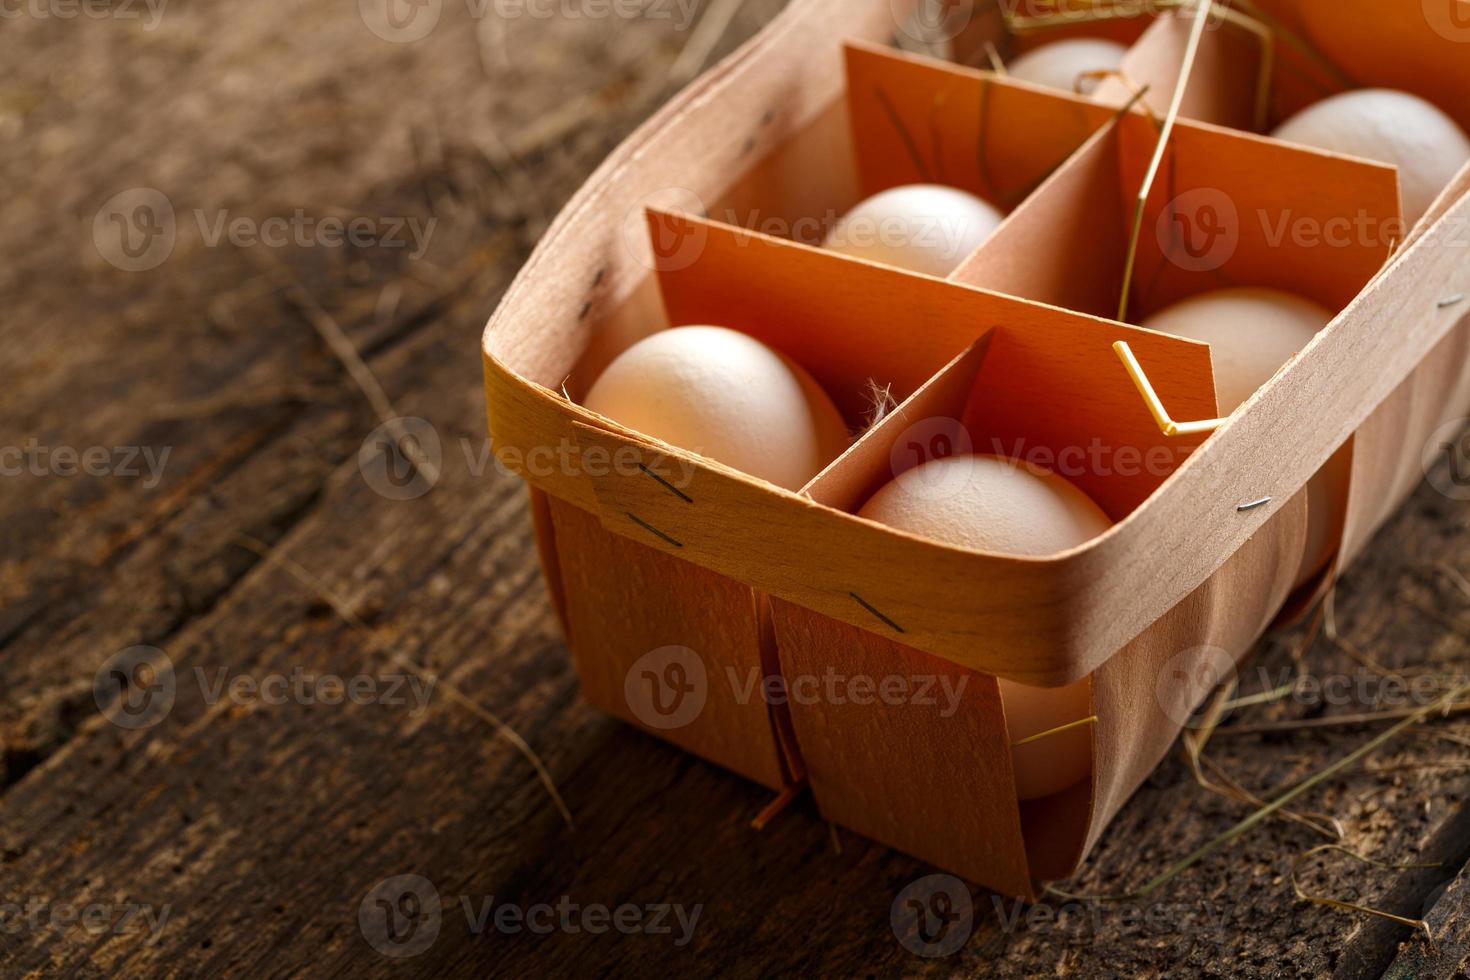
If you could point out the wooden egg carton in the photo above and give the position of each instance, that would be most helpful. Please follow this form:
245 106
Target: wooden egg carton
710 213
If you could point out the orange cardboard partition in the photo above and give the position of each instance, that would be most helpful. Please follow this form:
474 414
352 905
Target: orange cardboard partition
1232 74
976 25
905 119
1316 49
1418 46
1227 209
917 120
1038 382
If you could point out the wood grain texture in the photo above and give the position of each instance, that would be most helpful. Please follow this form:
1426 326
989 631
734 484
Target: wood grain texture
263 827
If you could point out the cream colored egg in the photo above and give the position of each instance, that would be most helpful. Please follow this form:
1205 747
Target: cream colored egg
1065 64
725 395
1397 128
1252 332
989 503
926 228
1400 44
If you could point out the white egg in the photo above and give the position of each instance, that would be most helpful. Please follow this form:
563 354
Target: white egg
1391 127
725 395
1252 332
993 504
928 228
1061 64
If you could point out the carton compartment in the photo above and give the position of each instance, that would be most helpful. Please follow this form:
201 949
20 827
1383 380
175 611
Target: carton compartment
902 119
1226 210
860 757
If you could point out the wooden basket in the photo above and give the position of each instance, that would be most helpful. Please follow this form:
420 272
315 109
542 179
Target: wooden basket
676 576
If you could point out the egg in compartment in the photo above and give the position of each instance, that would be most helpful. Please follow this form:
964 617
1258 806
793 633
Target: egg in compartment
725 395
1392 127
1252 332
999 505
928 228
1074 65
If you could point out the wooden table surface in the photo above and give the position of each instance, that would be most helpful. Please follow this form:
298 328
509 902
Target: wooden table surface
183 413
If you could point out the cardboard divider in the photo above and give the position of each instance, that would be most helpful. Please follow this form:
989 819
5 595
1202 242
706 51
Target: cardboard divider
1050 375
852 322
931 776
859 758
1227 209
917 120
1222 87
984 23
1416 47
